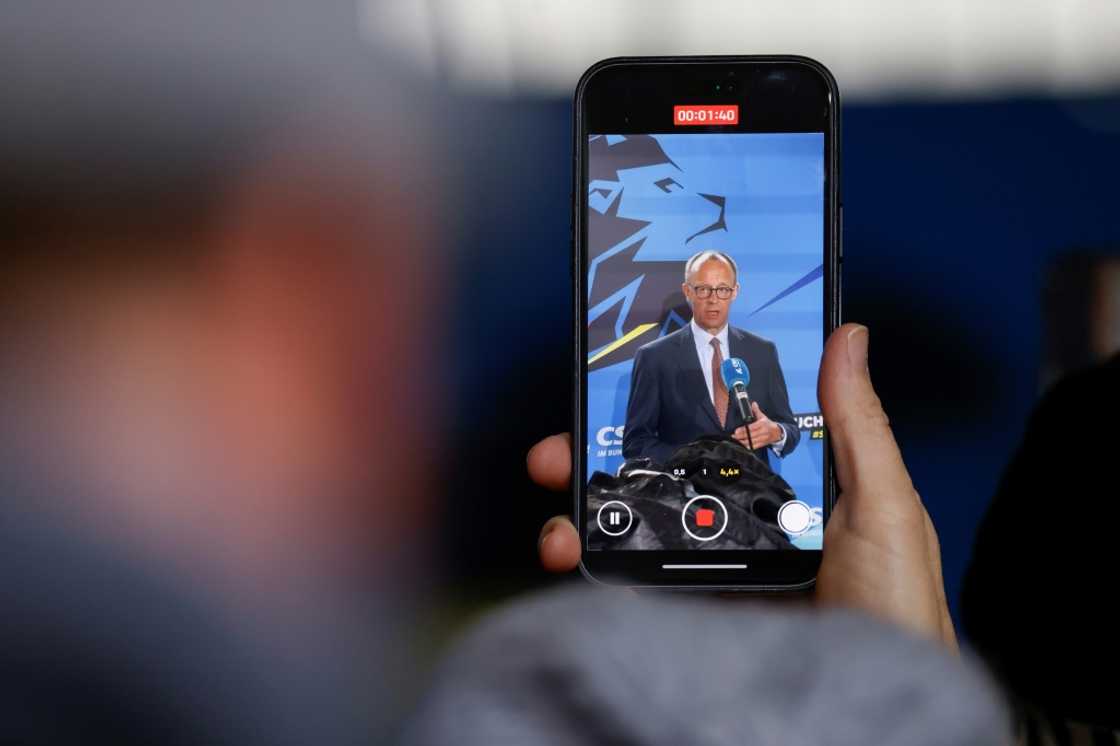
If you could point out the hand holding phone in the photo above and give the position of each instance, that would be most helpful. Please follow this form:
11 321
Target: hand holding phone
706 259
881 554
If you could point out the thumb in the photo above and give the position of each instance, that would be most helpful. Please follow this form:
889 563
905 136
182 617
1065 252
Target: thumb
755 409
868 462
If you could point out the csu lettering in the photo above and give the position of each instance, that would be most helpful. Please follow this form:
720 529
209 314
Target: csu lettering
609 435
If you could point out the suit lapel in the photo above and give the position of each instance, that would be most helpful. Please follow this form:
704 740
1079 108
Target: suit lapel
695 387
734 342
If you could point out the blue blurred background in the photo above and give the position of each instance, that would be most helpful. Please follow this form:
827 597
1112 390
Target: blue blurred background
955 212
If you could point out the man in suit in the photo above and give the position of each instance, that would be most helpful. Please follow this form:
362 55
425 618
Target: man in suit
676 391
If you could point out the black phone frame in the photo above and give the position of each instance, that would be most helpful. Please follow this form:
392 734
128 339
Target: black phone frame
636 95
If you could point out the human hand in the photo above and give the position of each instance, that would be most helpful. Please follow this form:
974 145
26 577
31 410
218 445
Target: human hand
881 553
763 431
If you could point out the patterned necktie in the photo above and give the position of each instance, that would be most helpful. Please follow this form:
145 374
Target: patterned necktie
719 391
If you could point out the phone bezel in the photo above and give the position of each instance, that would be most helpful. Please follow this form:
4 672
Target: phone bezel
682 79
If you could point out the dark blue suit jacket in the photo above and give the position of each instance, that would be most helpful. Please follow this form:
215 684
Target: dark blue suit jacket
669 403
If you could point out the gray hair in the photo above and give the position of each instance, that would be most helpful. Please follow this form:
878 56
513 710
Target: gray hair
700 257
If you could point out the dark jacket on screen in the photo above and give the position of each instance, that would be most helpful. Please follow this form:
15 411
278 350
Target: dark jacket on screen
669 404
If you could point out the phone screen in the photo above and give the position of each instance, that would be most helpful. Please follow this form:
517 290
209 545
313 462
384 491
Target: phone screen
707 284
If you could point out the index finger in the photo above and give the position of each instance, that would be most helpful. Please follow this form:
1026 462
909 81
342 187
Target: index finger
550 462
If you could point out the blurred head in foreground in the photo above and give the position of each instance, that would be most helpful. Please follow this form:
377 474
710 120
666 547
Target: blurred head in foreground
206 374
202 319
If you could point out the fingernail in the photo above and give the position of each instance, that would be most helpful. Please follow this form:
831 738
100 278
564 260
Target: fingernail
544 538
857 349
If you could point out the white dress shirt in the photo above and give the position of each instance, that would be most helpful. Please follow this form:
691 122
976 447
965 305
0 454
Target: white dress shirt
703 340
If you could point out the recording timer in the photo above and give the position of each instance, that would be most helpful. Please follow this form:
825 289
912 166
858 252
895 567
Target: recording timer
718 115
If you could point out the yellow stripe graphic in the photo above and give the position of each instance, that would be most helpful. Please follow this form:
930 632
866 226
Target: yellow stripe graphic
635 332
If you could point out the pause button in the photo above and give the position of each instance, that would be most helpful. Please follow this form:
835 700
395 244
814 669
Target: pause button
614 518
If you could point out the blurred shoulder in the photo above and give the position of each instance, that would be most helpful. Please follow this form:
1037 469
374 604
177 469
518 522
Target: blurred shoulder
653 662
1088 389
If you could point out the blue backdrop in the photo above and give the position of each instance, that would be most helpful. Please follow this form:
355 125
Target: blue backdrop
954 212
758 197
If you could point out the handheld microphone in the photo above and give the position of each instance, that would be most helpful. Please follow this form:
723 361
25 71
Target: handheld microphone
736 376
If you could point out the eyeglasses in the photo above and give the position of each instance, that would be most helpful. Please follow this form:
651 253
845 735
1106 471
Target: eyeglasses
703 292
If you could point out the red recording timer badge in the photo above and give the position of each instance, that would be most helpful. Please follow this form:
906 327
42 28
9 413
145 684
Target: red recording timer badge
719 115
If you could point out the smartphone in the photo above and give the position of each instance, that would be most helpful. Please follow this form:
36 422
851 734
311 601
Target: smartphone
706 266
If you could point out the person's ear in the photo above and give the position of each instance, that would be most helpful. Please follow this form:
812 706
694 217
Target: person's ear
686 290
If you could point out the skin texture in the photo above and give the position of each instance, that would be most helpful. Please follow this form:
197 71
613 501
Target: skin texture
763 431
711 312
881 554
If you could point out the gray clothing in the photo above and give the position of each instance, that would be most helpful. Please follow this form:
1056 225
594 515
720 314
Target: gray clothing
593 666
